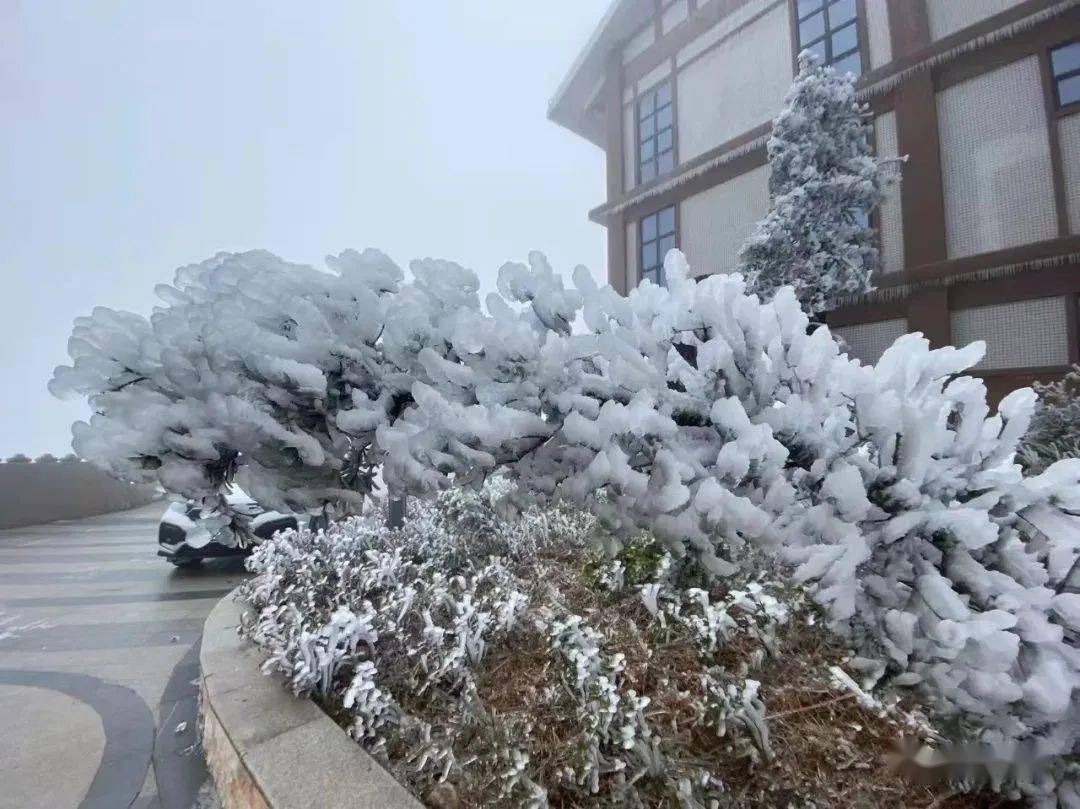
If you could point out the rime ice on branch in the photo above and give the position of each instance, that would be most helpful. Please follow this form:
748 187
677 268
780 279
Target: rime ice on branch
697 412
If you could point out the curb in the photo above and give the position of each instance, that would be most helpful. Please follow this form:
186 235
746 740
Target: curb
267 749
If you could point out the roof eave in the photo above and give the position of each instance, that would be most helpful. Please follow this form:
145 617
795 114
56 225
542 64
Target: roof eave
576 104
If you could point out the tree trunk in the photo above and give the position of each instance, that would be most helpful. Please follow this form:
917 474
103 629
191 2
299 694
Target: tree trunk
395 514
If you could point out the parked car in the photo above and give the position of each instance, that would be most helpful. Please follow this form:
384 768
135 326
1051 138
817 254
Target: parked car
187 534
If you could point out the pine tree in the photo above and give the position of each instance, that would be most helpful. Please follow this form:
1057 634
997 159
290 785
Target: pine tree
824 182
1055 427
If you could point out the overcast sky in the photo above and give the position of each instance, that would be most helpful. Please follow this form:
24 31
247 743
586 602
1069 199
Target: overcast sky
140 136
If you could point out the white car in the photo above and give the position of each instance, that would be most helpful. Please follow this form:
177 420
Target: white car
187 534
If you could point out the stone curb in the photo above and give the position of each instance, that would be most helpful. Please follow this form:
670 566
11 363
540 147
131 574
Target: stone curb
267 749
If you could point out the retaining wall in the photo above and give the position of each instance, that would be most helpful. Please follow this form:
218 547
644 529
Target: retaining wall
47 490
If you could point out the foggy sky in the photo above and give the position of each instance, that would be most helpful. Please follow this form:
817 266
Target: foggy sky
144 135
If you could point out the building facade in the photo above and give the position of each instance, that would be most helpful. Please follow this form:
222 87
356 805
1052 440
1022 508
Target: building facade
981 240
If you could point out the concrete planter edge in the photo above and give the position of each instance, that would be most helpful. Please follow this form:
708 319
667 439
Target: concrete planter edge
267 749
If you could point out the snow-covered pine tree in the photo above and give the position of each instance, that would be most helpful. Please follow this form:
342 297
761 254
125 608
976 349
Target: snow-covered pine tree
824 181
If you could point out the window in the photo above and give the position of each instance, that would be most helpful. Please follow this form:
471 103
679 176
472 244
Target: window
656 133
830 28
657 238
1065 64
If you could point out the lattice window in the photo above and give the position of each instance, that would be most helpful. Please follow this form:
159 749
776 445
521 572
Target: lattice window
995 156
868 341
657 235
1065 64
656 132
1022 334
830 28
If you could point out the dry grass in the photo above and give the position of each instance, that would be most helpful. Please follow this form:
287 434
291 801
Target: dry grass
828 750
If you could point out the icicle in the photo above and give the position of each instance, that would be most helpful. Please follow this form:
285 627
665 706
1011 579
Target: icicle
890 83
685 177
901 291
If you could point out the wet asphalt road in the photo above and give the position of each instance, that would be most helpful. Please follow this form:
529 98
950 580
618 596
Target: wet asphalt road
99 645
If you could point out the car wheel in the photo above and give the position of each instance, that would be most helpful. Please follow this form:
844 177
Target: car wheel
186 563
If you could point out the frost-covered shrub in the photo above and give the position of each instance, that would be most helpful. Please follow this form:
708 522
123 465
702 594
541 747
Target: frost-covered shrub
716 422
611 718
333 604
1055 428
916 526
824 182
456 669
480 514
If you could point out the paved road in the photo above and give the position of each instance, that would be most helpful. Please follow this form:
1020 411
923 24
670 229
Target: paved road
99 644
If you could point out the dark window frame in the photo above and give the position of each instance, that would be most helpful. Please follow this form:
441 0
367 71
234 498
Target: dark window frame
654 270
1057 78
647 119
829 31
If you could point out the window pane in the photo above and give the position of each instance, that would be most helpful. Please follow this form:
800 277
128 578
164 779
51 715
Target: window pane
663 118
1066 58
667 220
663 95
849 64
1069 91
806 6
648 255
818 48
664 141
648 149
648 171
844 40
646 105
665 162
648 228
647 128
812 27
841 12
667 243
651 274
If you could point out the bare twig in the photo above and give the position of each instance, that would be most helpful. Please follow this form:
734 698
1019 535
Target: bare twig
813 707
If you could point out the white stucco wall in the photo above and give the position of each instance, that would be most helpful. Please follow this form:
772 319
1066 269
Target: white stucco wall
949 16
995 159
735 87
715 224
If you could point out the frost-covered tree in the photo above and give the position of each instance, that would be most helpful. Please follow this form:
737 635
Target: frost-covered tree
1055 428
243 374
824 181
699 412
